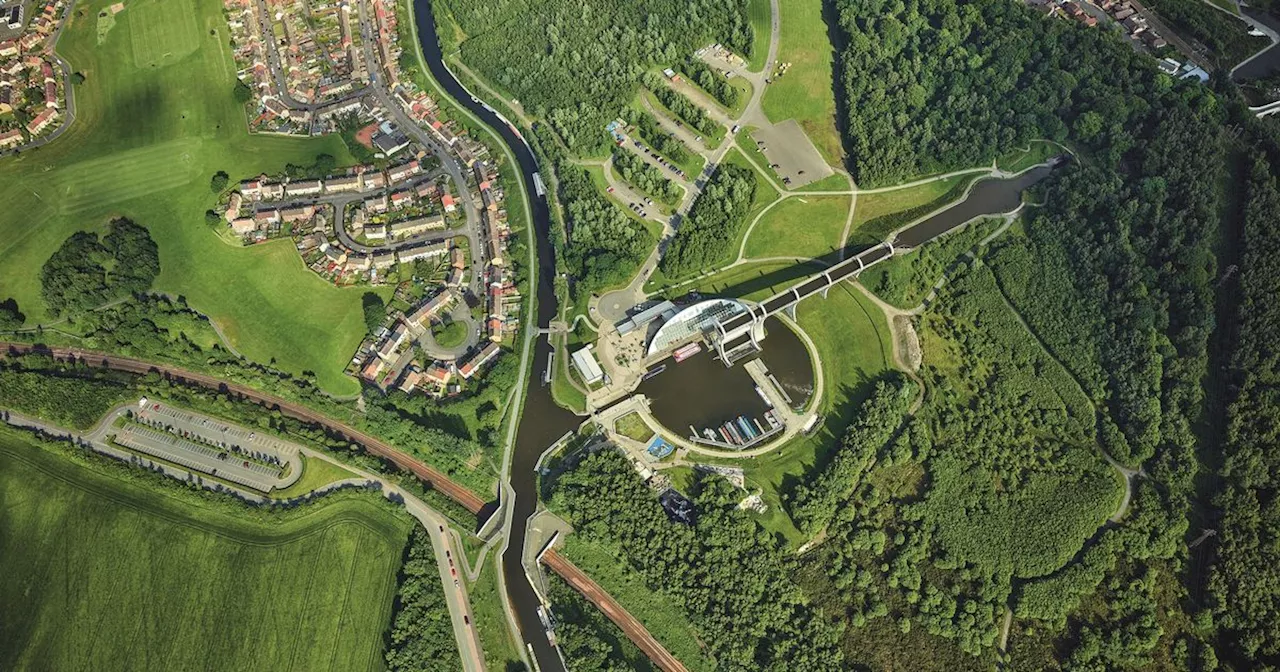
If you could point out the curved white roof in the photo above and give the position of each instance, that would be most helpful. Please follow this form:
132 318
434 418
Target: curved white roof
694 319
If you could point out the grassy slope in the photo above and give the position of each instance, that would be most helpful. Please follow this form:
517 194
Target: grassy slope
758 13
807 226
805 92
144 145
500 651
316 473
82 548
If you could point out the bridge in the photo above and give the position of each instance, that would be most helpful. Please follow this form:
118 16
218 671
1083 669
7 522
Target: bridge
1265 110
740 335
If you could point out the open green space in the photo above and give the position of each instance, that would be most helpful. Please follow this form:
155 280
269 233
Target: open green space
760 15
501 652
752 280
805 93
316 473
310 588
1023 158
878 214
563 389
802 226
630 425
143 146
449 334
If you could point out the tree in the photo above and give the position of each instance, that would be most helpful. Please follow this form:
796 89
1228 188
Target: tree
242 92
375 310
77 78
10 316
218 182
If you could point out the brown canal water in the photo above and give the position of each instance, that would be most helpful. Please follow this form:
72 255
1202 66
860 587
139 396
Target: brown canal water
701 391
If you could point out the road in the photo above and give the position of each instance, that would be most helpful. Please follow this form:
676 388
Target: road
68 114
436 479
437 527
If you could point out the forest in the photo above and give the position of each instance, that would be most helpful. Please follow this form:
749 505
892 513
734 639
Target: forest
712 82
421 638
605 247
1245 578
86 272
707 235
733 583
653 136
576 63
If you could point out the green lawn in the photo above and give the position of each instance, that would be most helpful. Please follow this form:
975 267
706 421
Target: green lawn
1037 151
804 226
878 214
449 334
105 574
144 145
501 652
754 281
316 473
759 13
665 621
854 346
805 93
632 426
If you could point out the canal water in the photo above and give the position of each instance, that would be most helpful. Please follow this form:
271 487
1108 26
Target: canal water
988 197
702 392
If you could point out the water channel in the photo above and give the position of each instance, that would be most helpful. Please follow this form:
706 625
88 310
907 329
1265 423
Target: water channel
543 421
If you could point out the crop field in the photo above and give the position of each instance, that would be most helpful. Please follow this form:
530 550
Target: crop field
144 145
201 589
101 574
806 92
805 226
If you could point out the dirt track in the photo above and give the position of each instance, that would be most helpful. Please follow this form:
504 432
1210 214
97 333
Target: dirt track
438 480
605 603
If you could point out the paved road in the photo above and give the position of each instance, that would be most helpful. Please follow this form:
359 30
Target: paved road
437 526
435 478
68 114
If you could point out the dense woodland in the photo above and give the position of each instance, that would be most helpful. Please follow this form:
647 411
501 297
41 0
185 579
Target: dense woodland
708 235
421 638
588 639
576 63
1245 580
652 135
680 105
712 81
87 272
605 246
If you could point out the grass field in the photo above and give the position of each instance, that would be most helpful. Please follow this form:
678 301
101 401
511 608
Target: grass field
759 14
101 574
144 144
500 651
632 426
804 226
805 93
879 214
316 473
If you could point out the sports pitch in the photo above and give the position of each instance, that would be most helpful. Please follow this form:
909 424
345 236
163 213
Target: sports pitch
101 574
156 118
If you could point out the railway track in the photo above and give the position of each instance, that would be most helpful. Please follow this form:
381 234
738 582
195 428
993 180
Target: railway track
437 479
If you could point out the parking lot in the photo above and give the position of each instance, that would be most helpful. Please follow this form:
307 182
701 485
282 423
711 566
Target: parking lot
791 154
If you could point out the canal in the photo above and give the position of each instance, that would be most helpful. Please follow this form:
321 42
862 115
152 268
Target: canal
702 392
542 421
988 197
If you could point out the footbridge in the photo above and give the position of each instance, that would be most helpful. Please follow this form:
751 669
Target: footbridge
740 335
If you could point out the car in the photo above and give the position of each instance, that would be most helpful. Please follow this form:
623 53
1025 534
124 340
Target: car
699 138
442 530
466 619
453 571
610 190
735 128
446 552
648 201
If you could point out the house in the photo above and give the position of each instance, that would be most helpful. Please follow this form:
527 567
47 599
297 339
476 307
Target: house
243 226
428 308
6 98
233 206
10 138
1124 13
428 190
457 258
252 189
342 184
372 369
415 226
1134 25
42 120
448 203
336 254
439 374
8 48
401 199
50 94
411 379
376 232
373 179
306 188
272 191
391 143
267 216
392 343
404 171
422 252
298 214
478 360
455 278
375 205
495 328
384 260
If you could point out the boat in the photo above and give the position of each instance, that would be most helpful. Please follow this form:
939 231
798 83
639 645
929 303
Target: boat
709 434
687 351
758 425
746 428
771 418
764 396
654 371
733 431
725 435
